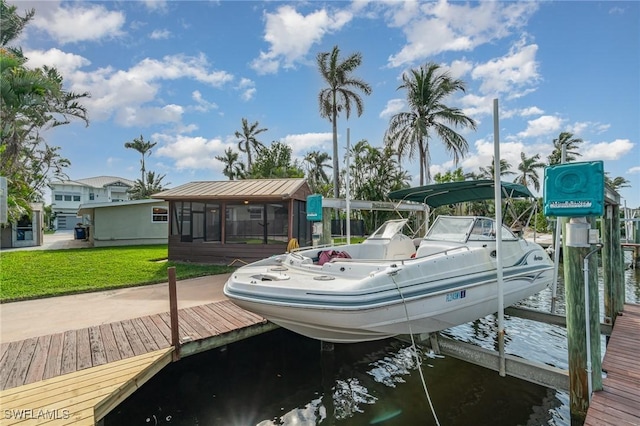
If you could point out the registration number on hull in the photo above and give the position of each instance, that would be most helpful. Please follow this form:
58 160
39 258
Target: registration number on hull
460 294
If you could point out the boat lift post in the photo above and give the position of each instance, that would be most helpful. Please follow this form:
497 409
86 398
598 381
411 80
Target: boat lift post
498 203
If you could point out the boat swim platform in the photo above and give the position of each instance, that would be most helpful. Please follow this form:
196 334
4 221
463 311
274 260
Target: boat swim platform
41 377
618 403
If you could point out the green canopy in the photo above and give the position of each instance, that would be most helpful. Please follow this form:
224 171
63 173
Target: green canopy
441 194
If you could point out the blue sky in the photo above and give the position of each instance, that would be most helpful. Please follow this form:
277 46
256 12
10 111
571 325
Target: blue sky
184 74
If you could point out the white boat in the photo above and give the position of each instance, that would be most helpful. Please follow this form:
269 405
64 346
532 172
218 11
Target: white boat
389 284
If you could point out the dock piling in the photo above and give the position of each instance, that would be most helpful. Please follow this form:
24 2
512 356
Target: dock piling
173 312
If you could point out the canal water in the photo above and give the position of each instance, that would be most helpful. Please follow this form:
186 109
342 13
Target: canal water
280 378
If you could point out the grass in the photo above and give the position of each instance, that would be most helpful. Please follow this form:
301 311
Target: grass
42 273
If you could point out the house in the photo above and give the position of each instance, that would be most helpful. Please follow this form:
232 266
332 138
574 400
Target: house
135 222
237 220
27 232
68 195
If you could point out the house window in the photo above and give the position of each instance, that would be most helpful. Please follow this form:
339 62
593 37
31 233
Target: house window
58 197
159 215
255 213
67 197
76 198
91 195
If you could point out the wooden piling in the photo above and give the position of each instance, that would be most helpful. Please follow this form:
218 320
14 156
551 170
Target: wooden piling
573 258
173 312
612 264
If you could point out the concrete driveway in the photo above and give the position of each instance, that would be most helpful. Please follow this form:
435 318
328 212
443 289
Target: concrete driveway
39 317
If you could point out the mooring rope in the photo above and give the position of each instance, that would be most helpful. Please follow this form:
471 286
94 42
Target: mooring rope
415 352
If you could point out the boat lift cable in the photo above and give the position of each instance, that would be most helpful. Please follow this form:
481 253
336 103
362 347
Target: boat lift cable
415 350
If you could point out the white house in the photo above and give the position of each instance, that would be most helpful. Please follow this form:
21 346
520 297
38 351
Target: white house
68 195
135 222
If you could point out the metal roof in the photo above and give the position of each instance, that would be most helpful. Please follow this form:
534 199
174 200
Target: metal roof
97 182
441 194
234 189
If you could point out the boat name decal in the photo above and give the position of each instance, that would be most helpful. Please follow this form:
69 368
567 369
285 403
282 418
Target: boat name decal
460 294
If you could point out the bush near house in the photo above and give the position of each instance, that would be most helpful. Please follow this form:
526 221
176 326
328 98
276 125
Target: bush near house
42 273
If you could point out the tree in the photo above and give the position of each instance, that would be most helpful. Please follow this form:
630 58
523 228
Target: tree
233 169
31 100
617 182
427 88
339 96
275 162
248 141
144 148
528 171
571 146
489 171
456 176
144 189
317 177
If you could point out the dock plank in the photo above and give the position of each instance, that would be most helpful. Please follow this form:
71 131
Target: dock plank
69 351
133 338
39 360
96 343
146 339
83 349
112 353
9 360
155 332
18 372
53 366
122 341
618 403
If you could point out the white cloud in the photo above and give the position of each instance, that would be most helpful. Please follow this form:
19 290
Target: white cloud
191 152
518 70
606 150
634 170
247 88
525 112
202 104
64 62
580 128
71 24
291 35
303 143
393 106
123 91
544 125
453 26
145 117
156 5
160 34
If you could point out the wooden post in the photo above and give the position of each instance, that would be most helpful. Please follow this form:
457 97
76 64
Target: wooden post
173 311
326 226
617 261
608 270
573 260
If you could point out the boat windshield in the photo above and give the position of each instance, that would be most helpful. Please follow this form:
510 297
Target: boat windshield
388 229
448 228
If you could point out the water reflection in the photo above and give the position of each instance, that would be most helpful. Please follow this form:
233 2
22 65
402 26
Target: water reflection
281 378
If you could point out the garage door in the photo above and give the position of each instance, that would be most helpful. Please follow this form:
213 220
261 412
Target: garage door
67 222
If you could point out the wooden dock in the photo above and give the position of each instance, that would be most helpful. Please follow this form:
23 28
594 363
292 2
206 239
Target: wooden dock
90 354
618 404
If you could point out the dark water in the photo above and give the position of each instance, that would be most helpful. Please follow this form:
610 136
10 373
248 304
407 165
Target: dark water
280 378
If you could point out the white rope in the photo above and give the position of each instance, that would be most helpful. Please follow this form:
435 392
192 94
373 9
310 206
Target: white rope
415 354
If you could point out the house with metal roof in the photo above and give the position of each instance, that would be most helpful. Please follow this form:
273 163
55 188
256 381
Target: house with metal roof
236 220
68 195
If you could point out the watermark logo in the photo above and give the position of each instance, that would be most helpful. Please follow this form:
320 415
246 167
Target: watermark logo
36 414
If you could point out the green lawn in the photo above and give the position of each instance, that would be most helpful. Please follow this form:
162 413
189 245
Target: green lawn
39 273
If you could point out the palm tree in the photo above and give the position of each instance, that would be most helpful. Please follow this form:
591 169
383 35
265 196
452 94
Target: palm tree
427 89
316 163
528 171
617 182
571 146
248 141
339 95
144 148
232 167
489 172
142 190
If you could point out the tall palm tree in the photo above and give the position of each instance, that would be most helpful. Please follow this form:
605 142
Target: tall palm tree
427 89
232 167
144 148
489 171
316 162
248 141
528 171
571 146
339 95
617 182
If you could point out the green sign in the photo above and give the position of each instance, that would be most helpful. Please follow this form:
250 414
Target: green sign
574 189
314 208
